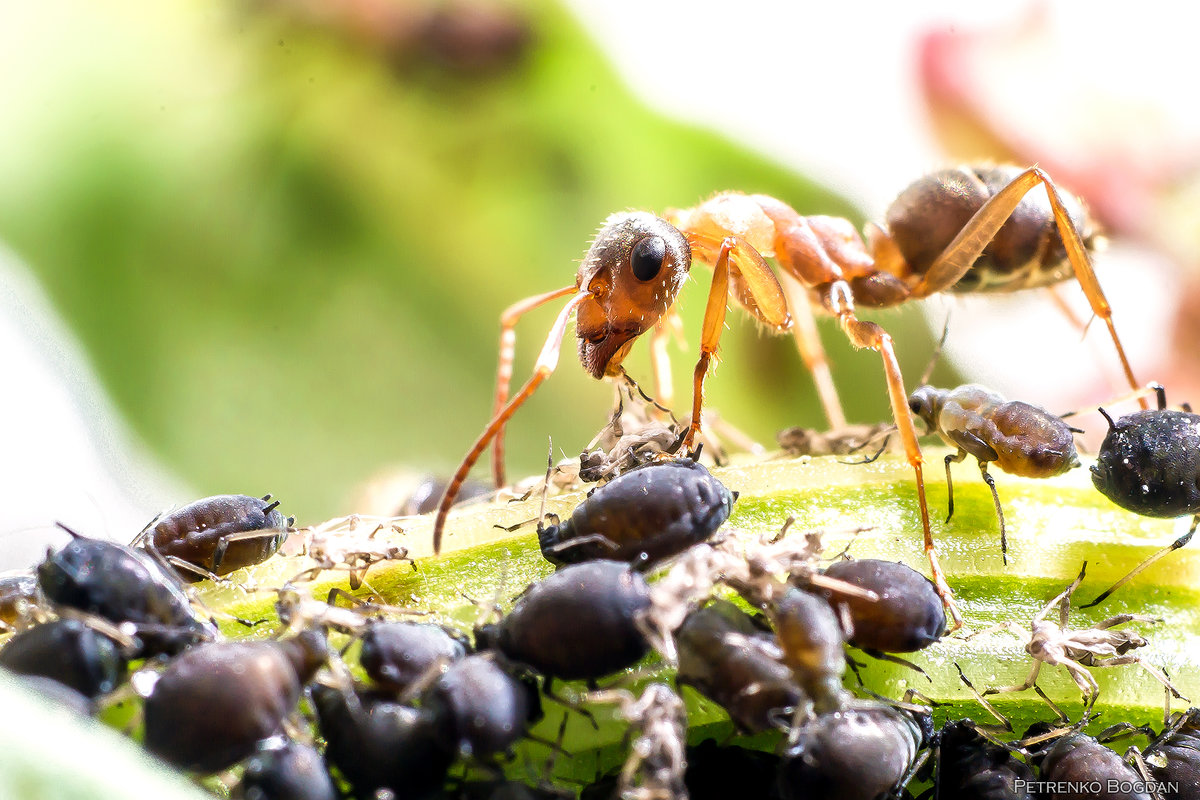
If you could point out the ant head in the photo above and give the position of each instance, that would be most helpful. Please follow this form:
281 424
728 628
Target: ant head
633 271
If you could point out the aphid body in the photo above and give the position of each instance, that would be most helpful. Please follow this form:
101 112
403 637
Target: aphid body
854 754
725 656
70 652
580 623
215 702
221 534
969 767
123 584
908 614
1019 438
647 514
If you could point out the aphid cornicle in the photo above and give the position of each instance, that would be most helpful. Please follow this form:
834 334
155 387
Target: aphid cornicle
908 616
1019 438
220 534
579 623
966 229
647 514
123 584
1149 463
737 664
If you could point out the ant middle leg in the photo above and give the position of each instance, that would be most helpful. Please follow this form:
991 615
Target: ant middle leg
953 459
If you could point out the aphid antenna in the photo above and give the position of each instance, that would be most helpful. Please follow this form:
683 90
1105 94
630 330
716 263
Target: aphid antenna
936 355
1178 543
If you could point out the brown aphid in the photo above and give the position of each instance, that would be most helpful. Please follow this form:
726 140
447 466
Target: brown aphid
732 661
907 616
216 701
967 229
219 535
1019 438
813 646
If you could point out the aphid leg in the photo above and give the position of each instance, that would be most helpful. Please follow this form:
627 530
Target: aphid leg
187 566
955 459
979 698
982 228
1178 543
991 482
546 364
508 346
1158 675
882 656
868 334
812 352
224 542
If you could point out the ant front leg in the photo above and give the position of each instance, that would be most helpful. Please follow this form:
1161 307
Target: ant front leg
982 228
758 281
508 346
546 364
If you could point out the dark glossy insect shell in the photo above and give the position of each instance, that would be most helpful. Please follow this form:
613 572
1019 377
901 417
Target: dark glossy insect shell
195 533
855 754
579 623
1149 463
292 772
729 659
123 584
215 702
377 743
395 654
716 773
647 514
68 651
969 767
1085 765
1174 757
483 710
908 615
813 646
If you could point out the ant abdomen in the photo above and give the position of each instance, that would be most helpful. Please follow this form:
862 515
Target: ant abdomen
1027 252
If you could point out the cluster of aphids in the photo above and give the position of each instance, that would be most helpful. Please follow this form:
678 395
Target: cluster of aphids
971 229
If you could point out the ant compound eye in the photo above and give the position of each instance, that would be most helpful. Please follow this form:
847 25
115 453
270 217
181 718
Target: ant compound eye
647 257
914 406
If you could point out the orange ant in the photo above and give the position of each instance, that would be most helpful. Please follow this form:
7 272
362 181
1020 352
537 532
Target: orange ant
962 230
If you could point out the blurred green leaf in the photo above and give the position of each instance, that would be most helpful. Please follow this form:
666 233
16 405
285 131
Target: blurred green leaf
286 259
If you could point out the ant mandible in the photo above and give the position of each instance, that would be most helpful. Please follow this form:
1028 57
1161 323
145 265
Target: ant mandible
962 230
